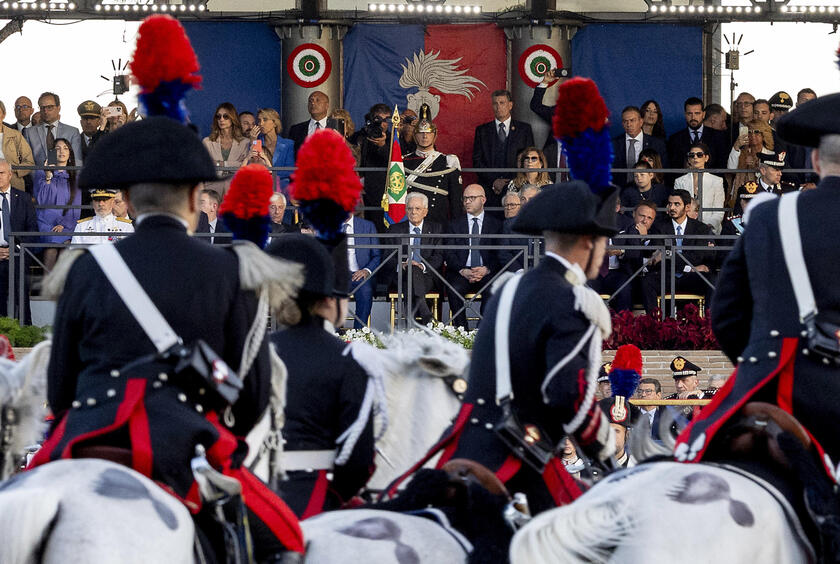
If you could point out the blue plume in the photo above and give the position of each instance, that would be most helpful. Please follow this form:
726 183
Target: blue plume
624 382
166 100
326 216
254 229
589 156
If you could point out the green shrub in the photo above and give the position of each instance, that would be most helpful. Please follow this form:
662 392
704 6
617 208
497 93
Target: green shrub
26 336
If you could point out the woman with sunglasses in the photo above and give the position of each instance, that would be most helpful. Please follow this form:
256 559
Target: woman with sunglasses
227 145
709 184
530 157
757 139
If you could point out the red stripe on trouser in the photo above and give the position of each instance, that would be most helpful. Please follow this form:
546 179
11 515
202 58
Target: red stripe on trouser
508 469
270 509
784 388
44 454
318 497
138 429
560 483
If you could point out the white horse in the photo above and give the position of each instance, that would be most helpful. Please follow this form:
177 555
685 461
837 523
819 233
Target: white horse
665 512
76 511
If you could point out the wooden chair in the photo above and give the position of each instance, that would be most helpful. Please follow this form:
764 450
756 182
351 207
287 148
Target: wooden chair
467 297
434 296
701 301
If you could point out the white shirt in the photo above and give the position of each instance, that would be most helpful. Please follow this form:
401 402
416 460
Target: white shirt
352 263
682 225
699 134
506 123
97 224
638 145
411 232
470 218
312 122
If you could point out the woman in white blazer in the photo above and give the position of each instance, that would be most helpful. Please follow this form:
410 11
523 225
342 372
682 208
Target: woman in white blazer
713 194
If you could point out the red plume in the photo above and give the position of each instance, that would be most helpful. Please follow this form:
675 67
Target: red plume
163 54
249 193
579 107
325 171
628 357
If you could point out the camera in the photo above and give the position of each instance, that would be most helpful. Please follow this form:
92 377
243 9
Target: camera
373 127
560 73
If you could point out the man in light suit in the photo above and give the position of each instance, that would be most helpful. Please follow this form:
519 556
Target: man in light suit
422 278
362 263
42 136
21 214
497 144
632 142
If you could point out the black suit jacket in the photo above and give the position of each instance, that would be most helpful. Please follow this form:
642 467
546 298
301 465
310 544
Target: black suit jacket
456 259
299 131
696 257
519 137
204 227
620 155
433 256
23 217
718 142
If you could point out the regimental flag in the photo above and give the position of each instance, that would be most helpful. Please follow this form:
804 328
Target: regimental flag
393 202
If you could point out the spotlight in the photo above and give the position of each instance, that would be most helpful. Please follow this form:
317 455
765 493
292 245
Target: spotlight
812 9
822 9
392 8
681 9
447 9
107 7
653 9
192 8
729 9
401 8
201 7
457 9
738 9
410 8
439 9
5 5
135 8
71 6
154 7
672 9
692 9
98 7
382 7
701 8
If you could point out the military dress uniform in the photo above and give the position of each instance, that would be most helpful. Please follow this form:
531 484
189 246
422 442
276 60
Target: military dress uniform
755 316
681 367
552 375
107 386
440 181
101 224
329 444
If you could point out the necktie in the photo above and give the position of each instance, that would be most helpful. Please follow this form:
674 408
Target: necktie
678 273
694 136
317 125
631 158
475 254
50 138
502 134
415 255
6 216
679 232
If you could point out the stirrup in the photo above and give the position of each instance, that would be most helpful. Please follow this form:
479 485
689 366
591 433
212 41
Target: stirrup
222 496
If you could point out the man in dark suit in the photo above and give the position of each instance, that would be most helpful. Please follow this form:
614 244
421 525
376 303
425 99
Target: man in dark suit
470 270
626 147
680 142
374 152
362 262
318 106
21 217
209 202
419 262
277 212
615 268
687 279
497 144
23 113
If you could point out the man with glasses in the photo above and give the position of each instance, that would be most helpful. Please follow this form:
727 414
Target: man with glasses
651 389
742 114
23 113
468 270
42 137
419 262
433 173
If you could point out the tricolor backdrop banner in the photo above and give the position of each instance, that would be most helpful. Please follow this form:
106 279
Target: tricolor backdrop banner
453 68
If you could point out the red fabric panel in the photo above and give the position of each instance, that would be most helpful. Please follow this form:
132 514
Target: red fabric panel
319 496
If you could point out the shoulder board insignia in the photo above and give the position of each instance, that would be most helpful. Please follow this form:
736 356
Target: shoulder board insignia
124 220
85 219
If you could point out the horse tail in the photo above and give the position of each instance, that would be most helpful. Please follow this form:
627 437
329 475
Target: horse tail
26 520
579 532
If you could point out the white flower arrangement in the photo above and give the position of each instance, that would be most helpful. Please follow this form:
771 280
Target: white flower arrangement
457 335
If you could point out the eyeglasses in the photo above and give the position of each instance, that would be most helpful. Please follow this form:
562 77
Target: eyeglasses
23 107
647 392
48 107
414 208
513 205
530 158
222 116
697 155
471 198
742 104
756 132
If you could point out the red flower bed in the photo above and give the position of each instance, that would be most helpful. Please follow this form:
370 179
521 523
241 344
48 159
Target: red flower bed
688 331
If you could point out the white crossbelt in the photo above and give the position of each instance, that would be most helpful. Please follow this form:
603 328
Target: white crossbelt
307 460
792 250
502 336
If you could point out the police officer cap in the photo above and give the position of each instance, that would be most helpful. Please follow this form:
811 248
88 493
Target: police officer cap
569 207
604 372
319 272
781 100
682 367
749 190
89 108
156 149
776 160
806 124
620 411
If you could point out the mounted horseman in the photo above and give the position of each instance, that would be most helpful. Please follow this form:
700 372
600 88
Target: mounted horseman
140 369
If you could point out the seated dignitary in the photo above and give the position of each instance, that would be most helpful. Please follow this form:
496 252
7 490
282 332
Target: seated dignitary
324 389
277 212
362 262
616 269
103 220
419 262
469 271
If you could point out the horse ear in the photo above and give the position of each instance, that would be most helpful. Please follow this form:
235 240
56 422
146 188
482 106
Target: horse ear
434 366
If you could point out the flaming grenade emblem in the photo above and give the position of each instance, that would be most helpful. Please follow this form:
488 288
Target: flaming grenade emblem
425 71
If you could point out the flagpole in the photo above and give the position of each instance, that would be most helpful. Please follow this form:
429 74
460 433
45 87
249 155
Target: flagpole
395 121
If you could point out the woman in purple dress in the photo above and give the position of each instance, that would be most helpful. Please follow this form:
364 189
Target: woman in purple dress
57 189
